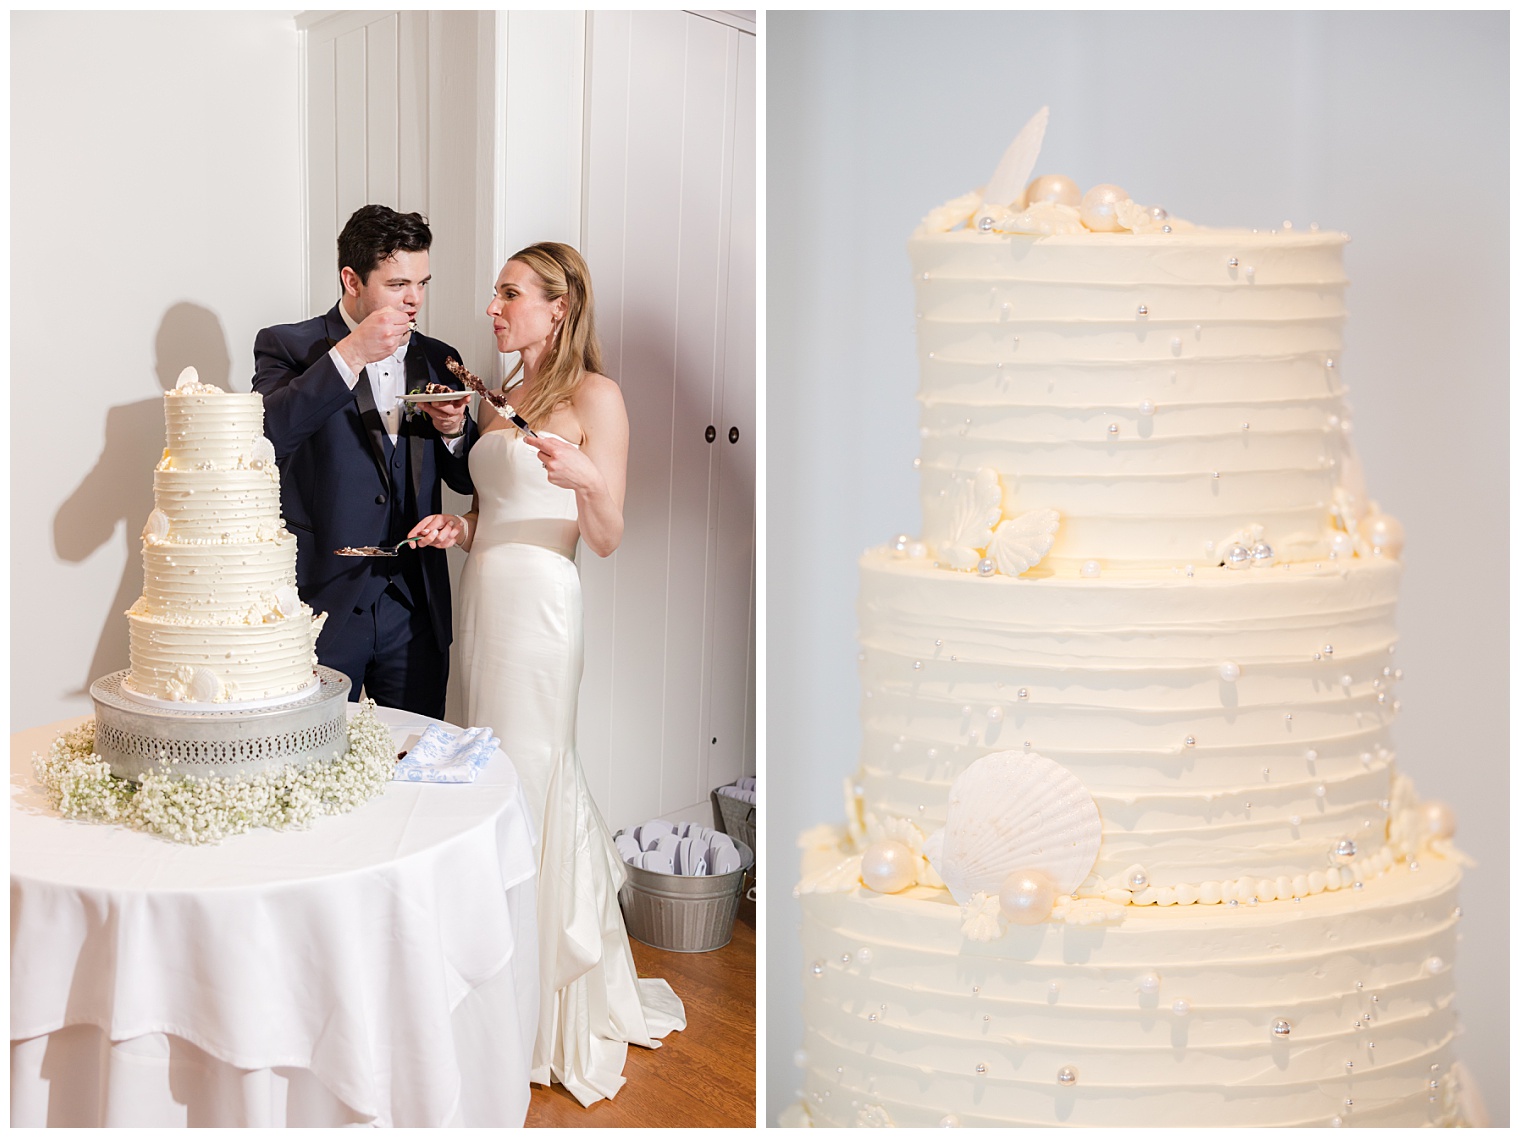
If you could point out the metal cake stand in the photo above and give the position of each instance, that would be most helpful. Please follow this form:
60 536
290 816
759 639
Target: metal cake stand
201 740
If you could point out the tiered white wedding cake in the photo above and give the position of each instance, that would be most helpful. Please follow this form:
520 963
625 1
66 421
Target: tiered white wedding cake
1127 845
219 619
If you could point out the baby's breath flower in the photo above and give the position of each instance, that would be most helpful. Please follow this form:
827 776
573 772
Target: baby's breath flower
205 810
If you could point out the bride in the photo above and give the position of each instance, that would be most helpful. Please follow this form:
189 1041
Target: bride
519 630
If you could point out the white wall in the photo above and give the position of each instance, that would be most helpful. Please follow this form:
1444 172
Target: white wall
155 222
1390 126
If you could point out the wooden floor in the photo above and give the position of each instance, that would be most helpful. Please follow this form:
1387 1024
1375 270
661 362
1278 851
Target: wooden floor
703 1076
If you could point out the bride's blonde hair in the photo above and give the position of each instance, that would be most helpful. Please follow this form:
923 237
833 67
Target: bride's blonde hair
574 350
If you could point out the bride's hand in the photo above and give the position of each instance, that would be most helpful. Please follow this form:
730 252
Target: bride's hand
438 530
567 465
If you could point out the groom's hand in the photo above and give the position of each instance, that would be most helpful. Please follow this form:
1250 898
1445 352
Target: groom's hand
448 416
378 336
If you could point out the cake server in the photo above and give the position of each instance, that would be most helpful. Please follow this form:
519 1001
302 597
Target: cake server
376 550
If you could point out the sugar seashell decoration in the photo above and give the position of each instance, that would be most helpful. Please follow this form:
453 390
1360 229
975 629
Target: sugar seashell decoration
156 529
1006 186
1020 543
1013 547
978 508
1013 812
204 686
263 451
188 378
287 602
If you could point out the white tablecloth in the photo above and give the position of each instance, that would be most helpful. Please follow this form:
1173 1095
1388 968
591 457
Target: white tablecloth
379 968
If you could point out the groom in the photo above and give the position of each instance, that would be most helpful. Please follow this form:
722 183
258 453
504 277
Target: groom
356 470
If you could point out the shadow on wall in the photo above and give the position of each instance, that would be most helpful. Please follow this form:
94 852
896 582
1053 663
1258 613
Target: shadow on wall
118 492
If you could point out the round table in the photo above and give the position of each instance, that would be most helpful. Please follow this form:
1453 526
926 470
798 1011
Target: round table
379 968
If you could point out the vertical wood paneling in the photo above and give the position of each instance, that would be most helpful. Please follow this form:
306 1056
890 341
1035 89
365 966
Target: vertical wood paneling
663 134
348 124
651 311
321 171
702 272
732 625
412 101
606 134
381 104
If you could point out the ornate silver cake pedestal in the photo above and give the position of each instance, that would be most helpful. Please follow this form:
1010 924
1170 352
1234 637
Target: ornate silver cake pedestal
134 738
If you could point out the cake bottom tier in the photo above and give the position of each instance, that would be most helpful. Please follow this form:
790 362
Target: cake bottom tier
247 661
1332 1010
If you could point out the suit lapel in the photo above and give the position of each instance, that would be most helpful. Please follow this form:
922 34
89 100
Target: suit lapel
374 426
364 399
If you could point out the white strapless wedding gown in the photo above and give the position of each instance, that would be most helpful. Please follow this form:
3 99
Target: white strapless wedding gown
519 623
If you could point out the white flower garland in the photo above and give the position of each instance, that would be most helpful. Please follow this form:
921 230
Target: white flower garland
198 811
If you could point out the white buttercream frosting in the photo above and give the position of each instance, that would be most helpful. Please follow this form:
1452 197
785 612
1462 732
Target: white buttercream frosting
906 1011
1193 618
219 618
1151 393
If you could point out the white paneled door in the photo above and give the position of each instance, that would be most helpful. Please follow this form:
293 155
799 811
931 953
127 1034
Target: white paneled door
632 135
668 704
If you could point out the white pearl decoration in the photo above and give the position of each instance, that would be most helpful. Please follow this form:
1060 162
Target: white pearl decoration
1091 569
1440 820
1147 407
887 866
1181 1007
1229 671
1385 533
1057 188
1150 983
1099 208
994 714
1027 897
1066 1076
1281 1028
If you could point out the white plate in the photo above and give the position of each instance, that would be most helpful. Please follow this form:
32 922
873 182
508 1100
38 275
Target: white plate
435 396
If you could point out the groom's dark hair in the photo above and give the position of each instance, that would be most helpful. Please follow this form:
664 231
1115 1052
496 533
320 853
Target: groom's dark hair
374 232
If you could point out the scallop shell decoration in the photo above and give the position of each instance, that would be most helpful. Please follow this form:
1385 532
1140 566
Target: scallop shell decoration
204 686
156 529
188 378
1019 544
979 508
287 602
263 451
1010 811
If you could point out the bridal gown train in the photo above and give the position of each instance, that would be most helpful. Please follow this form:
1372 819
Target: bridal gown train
521 653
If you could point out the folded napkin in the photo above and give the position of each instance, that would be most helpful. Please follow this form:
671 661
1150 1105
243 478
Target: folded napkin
737 790
444 756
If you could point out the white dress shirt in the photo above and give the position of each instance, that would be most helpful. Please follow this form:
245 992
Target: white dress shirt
387 381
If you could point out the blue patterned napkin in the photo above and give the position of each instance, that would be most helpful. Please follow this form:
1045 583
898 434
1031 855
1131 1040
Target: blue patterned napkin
443 756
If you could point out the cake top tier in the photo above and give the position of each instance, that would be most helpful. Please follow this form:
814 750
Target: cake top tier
206 428
1150 393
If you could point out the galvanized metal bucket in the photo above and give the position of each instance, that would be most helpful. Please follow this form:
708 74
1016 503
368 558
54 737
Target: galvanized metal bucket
680 913
734 817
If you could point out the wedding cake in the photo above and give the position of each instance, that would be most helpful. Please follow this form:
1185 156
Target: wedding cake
1127 844
219 620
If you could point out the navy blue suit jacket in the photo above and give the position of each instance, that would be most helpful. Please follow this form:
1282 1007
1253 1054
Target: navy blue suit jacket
335 489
